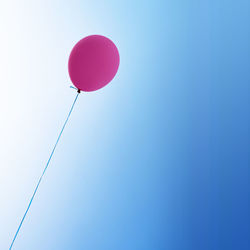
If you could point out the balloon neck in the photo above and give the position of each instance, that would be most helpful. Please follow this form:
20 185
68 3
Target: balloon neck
79 91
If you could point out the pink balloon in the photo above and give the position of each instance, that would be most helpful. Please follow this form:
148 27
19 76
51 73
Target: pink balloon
93 63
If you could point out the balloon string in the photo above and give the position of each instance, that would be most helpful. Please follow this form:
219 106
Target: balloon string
72 87
40 179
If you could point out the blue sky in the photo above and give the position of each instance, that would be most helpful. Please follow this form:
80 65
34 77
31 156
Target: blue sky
159 158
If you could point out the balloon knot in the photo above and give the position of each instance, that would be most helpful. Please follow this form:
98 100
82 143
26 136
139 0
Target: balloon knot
78 90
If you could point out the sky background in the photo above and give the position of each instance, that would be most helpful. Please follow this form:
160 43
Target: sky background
156 160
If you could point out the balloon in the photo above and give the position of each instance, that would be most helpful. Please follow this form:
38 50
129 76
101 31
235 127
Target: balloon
93 63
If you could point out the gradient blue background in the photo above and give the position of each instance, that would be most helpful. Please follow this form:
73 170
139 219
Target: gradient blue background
157 160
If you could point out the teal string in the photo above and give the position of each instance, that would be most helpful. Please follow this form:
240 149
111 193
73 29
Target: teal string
40 179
